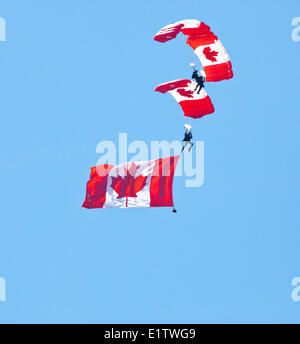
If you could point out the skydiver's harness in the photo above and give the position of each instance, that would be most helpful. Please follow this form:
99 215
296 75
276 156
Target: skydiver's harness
200 80
187 140
187 136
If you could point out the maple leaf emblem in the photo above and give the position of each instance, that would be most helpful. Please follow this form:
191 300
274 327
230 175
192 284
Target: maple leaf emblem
185 93
129 185
210 54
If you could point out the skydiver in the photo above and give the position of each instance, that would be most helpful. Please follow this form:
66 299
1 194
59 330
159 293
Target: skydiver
187 140
199 80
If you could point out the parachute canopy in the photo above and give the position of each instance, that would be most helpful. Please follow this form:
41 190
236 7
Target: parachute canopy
193 104
212 54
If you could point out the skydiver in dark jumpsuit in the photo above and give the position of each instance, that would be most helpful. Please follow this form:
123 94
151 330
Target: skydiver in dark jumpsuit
187 140
199 80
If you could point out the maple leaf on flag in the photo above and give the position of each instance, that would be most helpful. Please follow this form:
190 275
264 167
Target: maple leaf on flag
210 54
185 93
129 185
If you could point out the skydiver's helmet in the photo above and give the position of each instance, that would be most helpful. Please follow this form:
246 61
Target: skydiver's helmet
188 127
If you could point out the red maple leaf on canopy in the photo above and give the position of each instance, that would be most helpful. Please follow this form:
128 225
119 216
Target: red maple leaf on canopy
128 186
185 93
210 54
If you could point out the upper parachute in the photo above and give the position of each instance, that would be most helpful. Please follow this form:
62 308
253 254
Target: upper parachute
206 45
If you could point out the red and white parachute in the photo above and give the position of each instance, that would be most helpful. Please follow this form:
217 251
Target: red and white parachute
193 104
207 47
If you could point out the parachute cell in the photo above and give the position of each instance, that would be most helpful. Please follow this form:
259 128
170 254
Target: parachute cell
206 45
193 104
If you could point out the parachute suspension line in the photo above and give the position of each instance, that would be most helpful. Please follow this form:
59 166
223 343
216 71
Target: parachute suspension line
192 64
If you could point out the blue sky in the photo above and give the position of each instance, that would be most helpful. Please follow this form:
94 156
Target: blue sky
76 72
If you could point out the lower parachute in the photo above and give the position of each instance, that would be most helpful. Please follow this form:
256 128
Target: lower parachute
193 104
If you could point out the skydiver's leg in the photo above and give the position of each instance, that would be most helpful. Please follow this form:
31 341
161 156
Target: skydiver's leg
191 145
196 88
185 143
200 88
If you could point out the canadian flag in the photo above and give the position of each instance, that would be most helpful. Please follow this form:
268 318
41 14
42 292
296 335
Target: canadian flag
193 104
132 184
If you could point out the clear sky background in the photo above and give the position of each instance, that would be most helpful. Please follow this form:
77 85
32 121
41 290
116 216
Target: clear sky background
73 73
